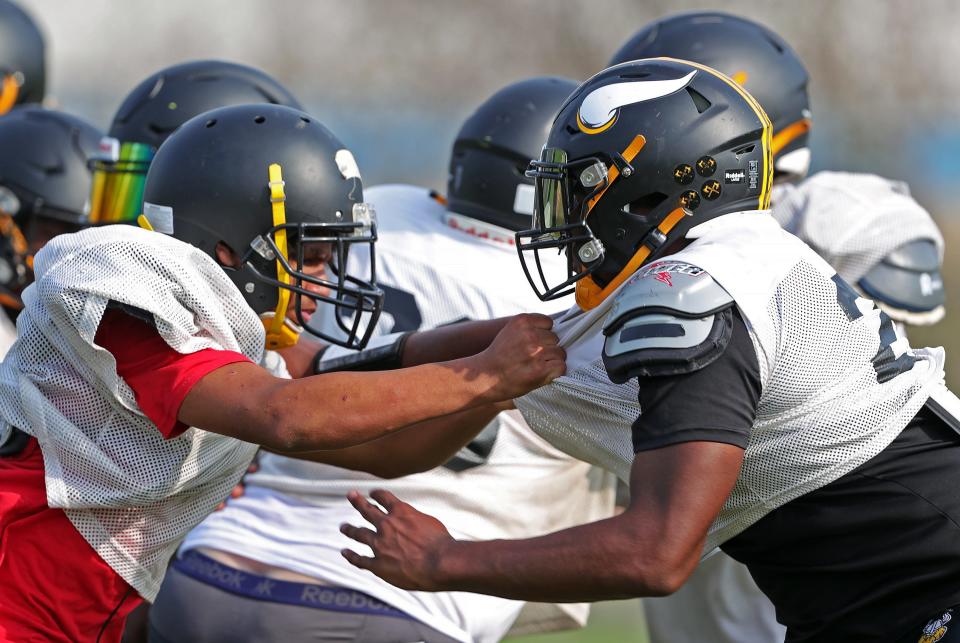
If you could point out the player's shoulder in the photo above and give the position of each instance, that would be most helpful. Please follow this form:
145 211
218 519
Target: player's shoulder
105 245
670 318
860 183
835 193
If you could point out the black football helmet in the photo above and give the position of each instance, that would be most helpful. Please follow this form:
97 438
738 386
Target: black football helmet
44 183
22 58
638 155
276 187
152 111
757 58
494 147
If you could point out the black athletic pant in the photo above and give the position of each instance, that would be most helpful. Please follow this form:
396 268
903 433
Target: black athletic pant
872 556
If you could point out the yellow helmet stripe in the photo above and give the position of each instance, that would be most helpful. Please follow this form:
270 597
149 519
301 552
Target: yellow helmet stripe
765 140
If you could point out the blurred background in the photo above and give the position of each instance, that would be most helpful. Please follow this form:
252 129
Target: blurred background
395 79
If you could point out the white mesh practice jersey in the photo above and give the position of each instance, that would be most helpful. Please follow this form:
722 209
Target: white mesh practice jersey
435 267
832 396
853 220
132 494
456 266
8 334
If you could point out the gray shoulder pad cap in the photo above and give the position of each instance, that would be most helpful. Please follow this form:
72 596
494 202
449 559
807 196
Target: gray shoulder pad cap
907 282
672 318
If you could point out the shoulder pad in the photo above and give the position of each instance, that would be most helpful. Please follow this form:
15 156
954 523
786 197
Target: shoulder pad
907 283
671 318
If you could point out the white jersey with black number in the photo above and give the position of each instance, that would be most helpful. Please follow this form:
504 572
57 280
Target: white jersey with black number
131 494
436 267
837 387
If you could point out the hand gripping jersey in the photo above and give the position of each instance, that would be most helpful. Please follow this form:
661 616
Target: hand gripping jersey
838 385
131 494
876 236
435 267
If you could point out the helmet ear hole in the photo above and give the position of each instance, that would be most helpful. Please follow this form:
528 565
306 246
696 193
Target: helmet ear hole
226 256
645 204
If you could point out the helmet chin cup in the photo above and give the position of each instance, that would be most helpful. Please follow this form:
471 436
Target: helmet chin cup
278 338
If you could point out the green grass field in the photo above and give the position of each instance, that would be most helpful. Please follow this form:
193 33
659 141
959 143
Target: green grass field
611 622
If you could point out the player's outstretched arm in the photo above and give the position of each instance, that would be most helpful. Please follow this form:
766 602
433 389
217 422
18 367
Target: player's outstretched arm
415 449
437 345
649 550
338 410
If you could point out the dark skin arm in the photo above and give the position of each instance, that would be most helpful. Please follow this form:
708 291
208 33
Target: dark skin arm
340 410
414 449
648 550
424 445
438 345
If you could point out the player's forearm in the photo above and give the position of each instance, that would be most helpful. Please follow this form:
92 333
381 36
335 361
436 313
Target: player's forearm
604 560
360 407
451 342
425 347
343 409
414 449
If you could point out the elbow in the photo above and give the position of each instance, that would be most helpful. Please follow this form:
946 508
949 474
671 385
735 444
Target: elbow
659 573
286 432
661 582
387 472
291 436
391 469
282 421
286 438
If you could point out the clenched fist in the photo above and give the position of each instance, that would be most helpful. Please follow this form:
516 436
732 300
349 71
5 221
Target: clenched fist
524 356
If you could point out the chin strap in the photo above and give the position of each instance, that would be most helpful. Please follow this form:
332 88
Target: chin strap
589 294
285 336
281 333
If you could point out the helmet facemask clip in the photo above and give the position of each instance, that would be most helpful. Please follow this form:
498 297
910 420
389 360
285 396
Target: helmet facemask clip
564 192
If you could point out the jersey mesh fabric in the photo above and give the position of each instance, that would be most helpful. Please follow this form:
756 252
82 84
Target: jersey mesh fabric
853 220
132 494
437 270
8 333
822 411
582 412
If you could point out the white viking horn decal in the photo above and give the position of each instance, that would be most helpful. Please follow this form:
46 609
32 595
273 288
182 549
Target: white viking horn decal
599 108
